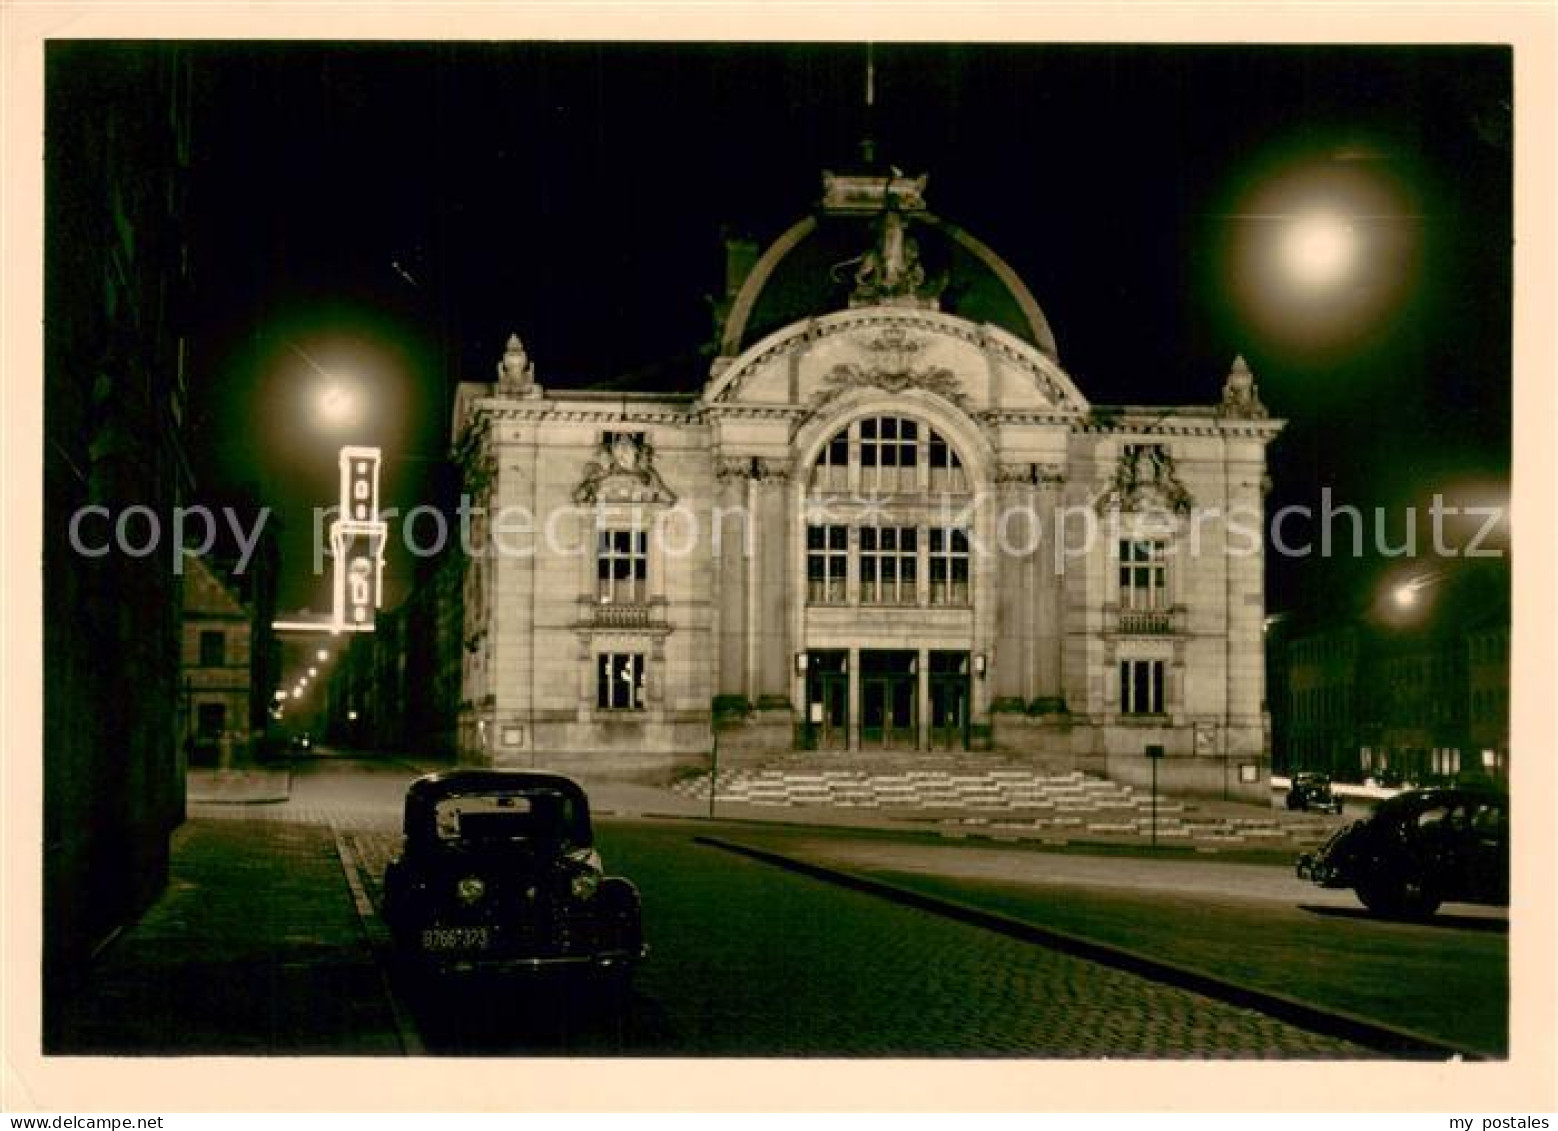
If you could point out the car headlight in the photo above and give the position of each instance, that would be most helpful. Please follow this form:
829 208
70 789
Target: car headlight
470 889
583 884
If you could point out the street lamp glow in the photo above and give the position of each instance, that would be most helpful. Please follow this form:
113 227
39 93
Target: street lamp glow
336 405
1406 595
322 655
313 672
1319 249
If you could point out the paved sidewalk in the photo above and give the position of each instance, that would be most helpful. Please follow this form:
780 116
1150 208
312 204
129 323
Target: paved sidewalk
254 948
245 786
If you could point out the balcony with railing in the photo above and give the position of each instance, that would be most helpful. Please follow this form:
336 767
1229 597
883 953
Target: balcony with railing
1146 622
611 615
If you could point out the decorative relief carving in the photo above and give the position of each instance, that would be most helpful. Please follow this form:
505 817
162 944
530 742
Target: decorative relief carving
623 472
473 456
733 467
1145 479
816 330
847 376
777 470
1035 474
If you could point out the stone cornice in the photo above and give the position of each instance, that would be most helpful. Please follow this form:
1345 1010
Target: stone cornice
987 338
542 411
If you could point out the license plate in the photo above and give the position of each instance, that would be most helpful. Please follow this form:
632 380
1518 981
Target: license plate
456 938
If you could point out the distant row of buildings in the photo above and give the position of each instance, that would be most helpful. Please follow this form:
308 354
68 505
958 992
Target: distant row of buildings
398 688
1398 693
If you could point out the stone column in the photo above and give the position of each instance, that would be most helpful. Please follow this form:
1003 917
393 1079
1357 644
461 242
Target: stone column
1049 607
854 699
732 568
1013 660
922 698
771 626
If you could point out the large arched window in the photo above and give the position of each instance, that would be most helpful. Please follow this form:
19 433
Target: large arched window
887 455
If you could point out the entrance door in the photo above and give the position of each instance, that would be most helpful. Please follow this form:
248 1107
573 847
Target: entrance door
949 700
827 700
889 693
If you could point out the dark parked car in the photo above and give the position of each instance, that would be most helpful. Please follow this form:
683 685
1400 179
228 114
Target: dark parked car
1420 849
1310 791
498 871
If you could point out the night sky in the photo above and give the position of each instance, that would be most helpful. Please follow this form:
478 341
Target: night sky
394 211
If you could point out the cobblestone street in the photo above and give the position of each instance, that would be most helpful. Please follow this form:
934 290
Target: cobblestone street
748 961
278 904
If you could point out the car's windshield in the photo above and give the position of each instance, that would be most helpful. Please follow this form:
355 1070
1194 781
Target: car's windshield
534 815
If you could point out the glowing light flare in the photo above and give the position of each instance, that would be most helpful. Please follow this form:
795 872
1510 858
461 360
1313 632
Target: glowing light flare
1320 249
336 405
1319 254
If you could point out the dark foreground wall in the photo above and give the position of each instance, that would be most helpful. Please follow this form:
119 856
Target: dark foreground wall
113 404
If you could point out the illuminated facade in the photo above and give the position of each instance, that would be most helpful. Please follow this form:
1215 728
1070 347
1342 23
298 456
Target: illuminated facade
888 524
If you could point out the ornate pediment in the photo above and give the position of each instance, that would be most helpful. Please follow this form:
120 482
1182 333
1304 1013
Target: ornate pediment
888 364
623 471
1145 479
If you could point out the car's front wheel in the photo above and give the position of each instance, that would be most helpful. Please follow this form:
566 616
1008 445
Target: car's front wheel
1406 896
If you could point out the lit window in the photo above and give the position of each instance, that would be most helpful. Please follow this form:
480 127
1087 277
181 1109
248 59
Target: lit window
1143 575
948 567
827 564
891 454
889 560
831 472
622 567
946 470
619 681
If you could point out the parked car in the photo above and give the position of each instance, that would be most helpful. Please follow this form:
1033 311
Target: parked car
1419 849
1311 791
498 871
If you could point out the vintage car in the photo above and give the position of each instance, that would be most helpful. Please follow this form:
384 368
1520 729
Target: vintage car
1311 791
498 872
1420 849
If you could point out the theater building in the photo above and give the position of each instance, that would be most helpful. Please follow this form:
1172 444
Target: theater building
889 526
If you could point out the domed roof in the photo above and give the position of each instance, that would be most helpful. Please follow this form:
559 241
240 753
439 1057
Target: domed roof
843 256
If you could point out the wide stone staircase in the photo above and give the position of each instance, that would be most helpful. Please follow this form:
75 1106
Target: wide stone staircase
1013 802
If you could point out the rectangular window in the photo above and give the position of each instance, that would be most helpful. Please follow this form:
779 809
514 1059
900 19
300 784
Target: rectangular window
889 454
212 719
1143 575
619 681
948 567
622 567
946 470
213 649
889 565
827 564
1141 687
831 472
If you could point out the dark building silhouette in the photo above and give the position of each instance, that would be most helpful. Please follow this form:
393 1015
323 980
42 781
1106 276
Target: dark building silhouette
116 283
